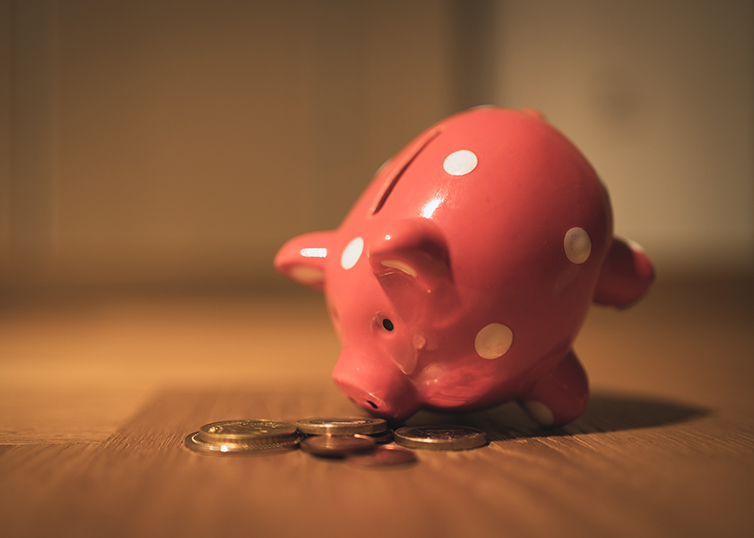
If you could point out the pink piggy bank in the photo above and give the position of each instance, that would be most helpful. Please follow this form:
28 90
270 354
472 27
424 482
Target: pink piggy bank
461 277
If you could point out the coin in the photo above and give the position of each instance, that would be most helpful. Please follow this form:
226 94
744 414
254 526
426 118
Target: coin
247 432
336 446
383 437
440 437
193 442
385 456
334 426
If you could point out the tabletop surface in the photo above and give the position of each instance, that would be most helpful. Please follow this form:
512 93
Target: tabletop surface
98 392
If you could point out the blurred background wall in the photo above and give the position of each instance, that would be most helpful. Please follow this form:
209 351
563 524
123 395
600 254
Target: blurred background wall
177 142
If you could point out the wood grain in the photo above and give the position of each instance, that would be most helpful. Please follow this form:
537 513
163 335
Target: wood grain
665 447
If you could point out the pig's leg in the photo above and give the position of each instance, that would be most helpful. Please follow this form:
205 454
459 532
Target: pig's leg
560 396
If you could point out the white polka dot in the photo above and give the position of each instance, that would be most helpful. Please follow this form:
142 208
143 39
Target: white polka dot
540 412
305 274
493 341
460 163
577 245
352 253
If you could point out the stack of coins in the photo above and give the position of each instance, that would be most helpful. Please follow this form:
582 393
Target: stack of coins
361 440
243 436
342 426
339 437
354 439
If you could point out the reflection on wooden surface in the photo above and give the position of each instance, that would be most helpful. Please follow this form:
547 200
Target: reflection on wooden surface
97 397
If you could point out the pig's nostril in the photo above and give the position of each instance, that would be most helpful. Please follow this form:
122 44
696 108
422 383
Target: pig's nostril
372 404
387 324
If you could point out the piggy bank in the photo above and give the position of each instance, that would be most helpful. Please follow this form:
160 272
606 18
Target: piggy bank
462 275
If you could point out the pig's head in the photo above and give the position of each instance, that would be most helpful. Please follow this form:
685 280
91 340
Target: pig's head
389 296
463 273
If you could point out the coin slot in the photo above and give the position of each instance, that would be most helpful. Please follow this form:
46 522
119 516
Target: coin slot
397 172
374 405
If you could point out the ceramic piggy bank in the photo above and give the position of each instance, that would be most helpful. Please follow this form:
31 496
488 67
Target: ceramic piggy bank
460 278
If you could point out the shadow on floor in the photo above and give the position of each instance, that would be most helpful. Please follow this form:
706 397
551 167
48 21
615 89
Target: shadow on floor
606 412
177 413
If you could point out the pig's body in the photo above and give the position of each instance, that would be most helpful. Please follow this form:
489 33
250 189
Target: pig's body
462 275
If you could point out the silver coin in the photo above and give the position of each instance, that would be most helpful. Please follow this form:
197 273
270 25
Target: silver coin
341 426
337 446
194 442
440 437
247 432
384 456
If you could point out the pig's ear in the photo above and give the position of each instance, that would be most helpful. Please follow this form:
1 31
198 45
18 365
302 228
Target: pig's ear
626 275
303 258
413 247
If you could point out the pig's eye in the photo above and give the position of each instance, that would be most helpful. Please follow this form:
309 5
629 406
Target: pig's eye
387 324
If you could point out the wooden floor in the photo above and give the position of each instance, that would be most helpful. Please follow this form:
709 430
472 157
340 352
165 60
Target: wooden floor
97 394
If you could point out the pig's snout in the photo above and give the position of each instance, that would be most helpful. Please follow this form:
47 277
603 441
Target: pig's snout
380 388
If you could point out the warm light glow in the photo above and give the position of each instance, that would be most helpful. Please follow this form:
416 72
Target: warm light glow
224 448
